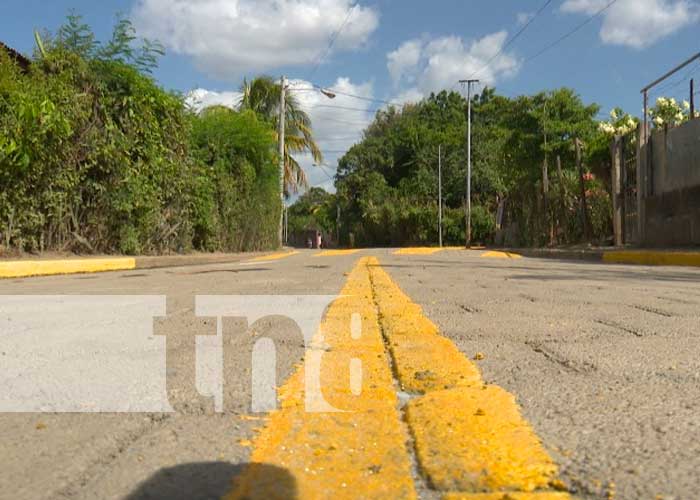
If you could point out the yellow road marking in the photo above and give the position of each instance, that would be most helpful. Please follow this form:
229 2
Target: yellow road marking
418 251
336 253
25 268
359 453
469 437
470 440
651 258
501 255
547 495
274 256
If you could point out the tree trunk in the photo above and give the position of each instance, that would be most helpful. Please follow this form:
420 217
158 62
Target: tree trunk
584 202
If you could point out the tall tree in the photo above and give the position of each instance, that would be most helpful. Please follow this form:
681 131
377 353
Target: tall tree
262 95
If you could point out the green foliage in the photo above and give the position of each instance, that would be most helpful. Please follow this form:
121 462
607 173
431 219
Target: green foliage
95 157
263 95
315 209
236 199
388 186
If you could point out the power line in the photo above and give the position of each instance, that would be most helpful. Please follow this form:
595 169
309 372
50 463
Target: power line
363 98
513 38
344 122
570 33
330 106
347 94
674 84
331 42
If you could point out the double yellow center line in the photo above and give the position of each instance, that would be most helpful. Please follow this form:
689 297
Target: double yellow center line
467 438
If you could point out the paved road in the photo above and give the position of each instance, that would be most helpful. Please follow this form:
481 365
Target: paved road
603 360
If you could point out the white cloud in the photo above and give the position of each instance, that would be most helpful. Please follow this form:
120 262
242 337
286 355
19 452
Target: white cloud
337 123
524 18
227 38
428 65
404 59
638 23
202 98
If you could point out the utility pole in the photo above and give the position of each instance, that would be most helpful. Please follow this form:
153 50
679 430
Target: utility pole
469 160
337 223
282 117
545 179
692 98
440 192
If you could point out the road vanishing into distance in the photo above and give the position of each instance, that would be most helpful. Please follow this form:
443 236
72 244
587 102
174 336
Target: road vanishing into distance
440 374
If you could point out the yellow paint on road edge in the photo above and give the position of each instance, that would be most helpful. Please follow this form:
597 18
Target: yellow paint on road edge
469 437
27 268
336 253
418 251
652 258
501 255
272 257
359 452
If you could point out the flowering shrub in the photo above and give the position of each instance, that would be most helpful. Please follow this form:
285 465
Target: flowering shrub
668 112
620 123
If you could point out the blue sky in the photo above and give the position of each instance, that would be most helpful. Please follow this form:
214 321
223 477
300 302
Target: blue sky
391 49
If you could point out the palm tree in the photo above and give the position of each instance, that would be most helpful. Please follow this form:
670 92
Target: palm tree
262 95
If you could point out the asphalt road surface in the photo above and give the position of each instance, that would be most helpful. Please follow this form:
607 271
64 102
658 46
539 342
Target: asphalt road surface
604 361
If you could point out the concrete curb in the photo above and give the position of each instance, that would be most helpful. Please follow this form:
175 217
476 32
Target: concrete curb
31 268
635 257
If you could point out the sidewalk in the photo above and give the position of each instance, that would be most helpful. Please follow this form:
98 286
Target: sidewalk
16 268
646 257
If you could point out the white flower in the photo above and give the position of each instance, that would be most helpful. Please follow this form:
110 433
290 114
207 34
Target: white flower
673 102
661 101
686 104
658 120
613 114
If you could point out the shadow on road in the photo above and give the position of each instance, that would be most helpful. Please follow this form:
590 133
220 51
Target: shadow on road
213 480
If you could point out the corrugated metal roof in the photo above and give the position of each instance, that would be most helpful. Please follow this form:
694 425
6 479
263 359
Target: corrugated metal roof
22 61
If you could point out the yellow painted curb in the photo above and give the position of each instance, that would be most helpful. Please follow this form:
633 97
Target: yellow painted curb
418 251
501 255
358 452
336 253
652 258
27 268
274 256
469 437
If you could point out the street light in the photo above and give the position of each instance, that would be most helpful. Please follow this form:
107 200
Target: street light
282 115
469 84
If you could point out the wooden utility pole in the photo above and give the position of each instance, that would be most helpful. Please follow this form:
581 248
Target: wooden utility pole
692 98
582 182
617 190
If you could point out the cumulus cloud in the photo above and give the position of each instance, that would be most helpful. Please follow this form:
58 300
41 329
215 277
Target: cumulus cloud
638 23
228 38
421 66
337 123
203 98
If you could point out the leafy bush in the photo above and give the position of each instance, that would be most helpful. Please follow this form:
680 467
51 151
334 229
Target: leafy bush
96 157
